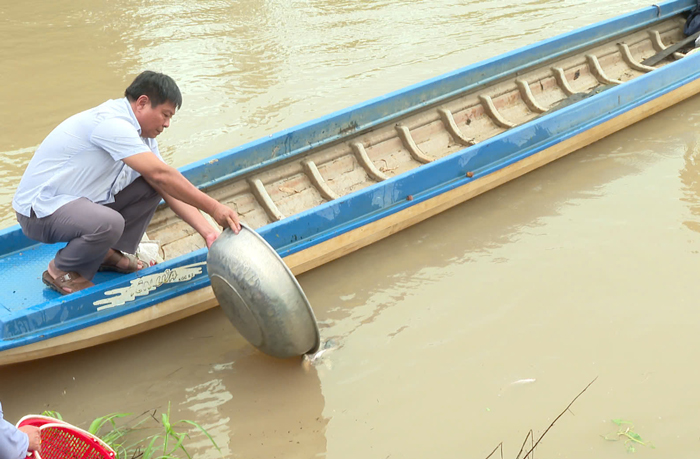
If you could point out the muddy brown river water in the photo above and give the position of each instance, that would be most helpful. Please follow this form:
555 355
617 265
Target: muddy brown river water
456 334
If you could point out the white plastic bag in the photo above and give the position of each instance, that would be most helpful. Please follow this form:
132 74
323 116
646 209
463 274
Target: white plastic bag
148 251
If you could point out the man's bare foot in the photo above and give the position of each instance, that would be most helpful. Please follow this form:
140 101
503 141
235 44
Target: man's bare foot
54 271
122 262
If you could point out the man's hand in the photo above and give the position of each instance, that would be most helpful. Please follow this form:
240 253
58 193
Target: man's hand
34 437
210 238
226 217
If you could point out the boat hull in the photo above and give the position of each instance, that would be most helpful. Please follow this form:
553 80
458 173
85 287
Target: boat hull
127 305
202 299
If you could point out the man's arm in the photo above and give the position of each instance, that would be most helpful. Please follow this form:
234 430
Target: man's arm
15 443
171 182
192 217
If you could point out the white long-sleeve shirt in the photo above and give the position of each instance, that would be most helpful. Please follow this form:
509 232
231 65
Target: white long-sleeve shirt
13 442
83 158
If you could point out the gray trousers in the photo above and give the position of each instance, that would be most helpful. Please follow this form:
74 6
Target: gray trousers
92 229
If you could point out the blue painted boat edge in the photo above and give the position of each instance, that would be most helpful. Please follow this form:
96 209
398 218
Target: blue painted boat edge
12 240
311 227
332 128
27 326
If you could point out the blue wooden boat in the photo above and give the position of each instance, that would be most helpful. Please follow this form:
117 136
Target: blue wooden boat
331 186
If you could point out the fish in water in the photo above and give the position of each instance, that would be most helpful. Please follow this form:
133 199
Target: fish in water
521 382
320 356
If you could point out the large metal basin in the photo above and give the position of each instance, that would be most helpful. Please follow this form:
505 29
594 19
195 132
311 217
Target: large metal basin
260 295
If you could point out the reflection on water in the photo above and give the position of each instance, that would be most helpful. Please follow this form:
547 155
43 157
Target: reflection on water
584 268
204 400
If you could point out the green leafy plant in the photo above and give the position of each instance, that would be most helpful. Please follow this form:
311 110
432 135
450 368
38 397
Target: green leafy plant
107 429
625 431
168 443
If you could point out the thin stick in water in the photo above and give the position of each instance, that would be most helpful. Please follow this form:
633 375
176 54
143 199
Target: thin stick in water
500 445
529 434
557 418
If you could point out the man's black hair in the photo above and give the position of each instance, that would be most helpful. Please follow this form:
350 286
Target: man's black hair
159 88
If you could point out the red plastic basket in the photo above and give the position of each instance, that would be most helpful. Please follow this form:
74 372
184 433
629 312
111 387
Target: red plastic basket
60 440
38 420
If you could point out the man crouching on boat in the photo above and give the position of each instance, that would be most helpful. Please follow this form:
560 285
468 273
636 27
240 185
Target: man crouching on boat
96 180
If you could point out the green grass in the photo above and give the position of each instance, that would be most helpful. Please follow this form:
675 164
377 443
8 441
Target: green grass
625 431
123 433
